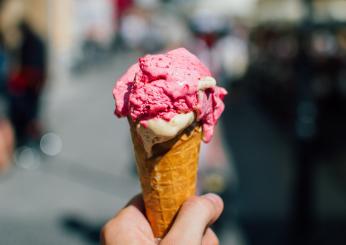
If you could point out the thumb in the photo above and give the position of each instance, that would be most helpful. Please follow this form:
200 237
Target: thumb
193 218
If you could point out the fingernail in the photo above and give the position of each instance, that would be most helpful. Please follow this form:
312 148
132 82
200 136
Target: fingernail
214 198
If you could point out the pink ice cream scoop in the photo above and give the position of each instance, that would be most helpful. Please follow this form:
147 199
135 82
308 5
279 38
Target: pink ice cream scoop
164 85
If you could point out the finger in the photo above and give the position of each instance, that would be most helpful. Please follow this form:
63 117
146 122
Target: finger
193 218
210 238
129 224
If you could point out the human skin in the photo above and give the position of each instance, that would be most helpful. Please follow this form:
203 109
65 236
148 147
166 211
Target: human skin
191 226
6 144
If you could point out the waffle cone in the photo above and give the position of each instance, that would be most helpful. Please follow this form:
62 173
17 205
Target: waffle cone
169 177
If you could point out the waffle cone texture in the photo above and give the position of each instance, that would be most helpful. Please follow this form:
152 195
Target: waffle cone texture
169 177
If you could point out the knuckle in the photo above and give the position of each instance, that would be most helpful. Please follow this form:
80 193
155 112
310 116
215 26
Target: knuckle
112 226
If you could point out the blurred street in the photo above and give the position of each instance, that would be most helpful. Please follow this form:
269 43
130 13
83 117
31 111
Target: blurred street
89 181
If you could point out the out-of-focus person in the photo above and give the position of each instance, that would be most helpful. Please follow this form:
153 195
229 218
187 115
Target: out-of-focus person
6 144
6 132
27 79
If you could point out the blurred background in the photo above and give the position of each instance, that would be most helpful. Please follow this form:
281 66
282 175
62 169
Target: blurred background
278 158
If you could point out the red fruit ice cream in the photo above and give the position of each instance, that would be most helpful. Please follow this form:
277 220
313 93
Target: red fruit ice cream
165 93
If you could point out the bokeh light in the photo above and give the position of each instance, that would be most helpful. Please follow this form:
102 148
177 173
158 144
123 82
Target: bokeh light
51 144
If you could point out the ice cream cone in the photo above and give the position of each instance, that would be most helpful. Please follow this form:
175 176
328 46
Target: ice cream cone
169 177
